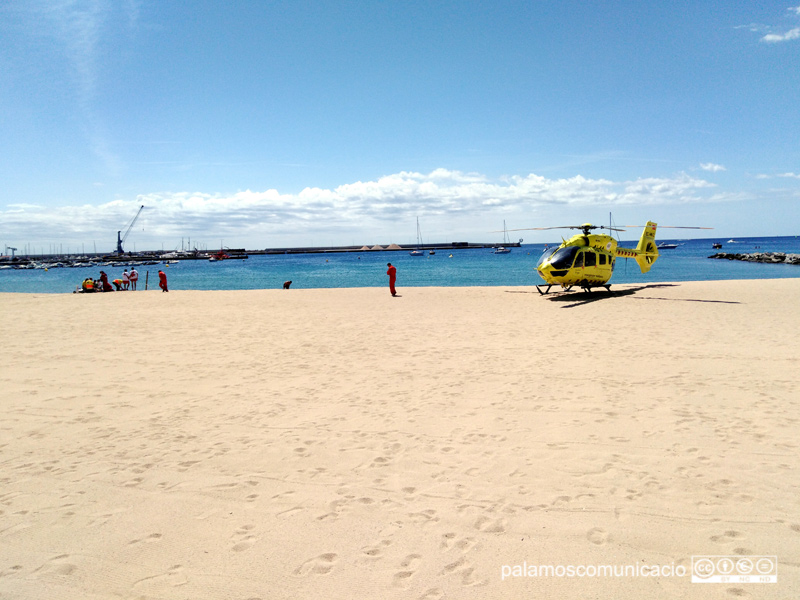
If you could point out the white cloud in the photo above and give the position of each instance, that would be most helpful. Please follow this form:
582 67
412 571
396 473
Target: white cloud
359 209
712 167
773 38
784 175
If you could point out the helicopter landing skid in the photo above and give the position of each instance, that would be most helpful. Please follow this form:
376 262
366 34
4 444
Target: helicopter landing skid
588 290
542 293
568 288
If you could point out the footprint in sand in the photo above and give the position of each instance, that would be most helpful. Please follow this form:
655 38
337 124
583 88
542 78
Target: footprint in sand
376 552
336 508
243 538
153 537
57 566
450 542
174 577
424 517
12 570
464 571
289 511
727 537
409 566
319 565
488 525
598 536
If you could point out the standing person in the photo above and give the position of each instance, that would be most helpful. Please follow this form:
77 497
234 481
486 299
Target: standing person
392 273
126 279
162 281
134 277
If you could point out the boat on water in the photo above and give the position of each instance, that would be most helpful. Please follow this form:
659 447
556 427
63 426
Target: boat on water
221 255
506 241
716 246
418 251
665 246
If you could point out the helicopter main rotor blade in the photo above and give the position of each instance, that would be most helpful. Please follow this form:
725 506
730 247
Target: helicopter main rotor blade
666 227
537 228
544 228
615 228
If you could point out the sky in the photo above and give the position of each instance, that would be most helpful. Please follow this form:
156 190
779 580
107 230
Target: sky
267 123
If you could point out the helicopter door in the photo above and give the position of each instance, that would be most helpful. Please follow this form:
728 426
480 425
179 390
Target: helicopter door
578 265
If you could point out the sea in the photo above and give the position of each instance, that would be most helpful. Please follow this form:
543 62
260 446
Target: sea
457 267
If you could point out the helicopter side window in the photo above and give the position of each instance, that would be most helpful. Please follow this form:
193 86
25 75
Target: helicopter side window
589 258
579 260
563 258
601 259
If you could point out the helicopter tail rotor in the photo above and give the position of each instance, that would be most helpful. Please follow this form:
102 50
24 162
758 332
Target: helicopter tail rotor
646 250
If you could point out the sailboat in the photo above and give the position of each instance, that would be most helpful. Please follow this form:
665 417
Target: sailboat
418 251
506 240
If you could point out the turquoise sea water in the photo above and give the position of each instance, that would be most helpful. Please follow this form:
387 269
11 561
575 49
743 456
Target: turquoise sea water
447 268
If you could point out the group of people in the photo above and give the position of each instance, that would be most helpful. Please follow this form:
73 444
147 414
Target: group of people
127 282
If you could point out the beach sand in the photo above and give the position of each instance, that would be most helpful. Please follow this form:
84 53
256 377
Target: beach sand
346 444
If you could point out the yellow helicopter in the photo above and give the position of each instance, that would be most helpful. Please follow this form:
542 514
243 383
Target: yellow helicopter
587 259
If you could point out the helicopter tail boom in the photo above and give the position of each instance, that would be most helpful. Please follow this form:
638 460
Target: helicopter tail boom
646 250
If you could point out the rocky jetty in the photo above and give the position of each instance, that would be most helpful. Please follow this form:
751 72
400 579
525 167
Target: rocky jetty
761 257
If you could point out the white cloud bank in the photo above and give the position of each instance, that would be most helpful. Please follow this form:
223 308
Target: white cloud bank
712 167
258 219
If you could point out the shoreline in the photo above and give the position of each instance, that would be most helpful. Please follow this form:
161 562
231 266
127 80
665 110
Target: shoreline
532 287
344 443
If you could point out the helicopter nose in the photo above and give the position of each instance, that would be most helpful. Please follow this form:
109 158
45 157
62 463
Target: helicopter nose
544 271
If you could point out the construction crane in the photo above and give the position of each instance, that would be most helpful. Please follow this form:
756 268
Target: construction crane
122 238
12 251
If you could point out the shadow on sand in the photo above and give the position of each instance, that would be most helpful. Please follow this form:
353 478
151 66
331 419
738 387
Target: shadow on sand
581 298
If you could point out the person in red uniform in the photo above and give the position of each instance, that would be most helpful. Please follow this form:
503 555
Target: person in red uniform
392 273
105 286
162 281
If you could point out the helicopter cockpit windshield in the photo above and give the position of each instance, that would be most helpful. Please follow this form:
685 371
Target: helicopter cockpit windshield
564 257
547 253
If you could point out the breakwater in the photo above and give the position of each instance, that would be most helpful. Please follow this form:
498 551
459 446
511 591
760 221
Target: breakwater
760 257
144 258
380 247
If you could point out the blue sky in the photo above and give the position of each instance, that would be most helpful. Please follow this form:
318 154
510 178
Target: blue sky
267 123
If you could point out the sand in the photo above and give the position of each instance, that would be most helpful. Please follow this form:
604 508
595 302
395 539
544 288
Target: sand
345 444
